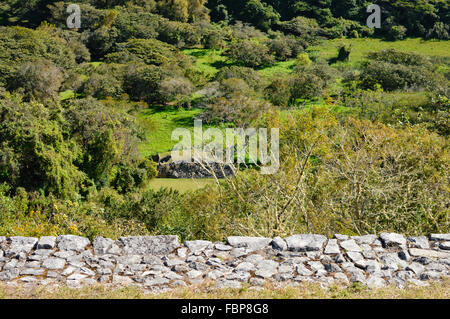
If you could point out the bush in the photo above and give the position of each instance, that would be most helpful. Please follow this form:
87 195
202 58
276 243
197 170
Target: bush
396 32
279 91
245 31
305 28
21 45
394 70
440 31
395 76
149 51
401 109
352 177
285 48
38 79
142 82
303 60
35 152
238 109
108 137
250 54
251 77
176 89
397 57
260 14
344 53
105 81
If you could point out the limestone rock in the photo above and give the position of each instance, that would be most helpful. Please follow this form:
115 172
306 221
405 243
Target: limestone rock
419 242
393 240
72 243
305 242
440 237
149 245
54 263
350 245
46 242
366 239
332 247
197 245
375 282
279 244
252 243
428 253
21 244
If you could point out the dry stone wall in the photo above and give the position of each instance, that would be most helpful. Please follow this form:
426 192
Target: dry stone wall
159 263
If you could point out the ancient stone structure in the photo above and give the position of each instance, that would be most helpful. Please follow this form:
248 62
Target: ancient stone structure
161 262
184 169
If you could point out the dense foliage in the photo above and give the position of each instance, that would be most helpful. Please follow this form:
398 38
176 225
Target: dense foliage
364 142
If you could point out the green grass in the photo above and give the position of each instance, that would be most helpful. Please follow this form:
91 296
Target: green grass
160 123
181 185
68 94
361 47
283 67
209 61
95 64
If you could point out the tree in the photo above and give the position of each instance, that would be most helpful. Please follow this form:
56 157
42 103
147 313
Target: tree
35 151
142 83
260 14
174 9
39 80
250 54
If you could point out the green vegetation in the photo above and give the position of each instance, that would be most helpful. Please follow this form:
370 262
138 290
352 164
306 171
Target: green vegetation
361 47
159 124
363 116
181 185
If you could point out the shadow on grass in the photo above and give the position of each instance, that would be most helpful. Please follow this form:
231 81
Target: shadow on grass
222 64
197 54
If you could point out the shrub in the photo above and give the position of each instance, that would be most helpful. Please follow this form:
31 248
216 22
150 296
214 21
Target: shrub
279 91
149 51
21 45
397 57
142 82
440 31
232 86
105 81
250 54
394 76
108 138
344 53
38 79
285 48
396 32
238 109
305 28
352 177
251 77
303 59
394 70
35 152
176 89
245 31
260 14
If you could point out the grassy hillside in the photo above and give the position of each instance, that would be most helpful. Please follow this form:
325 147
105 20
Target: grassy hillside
361 47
